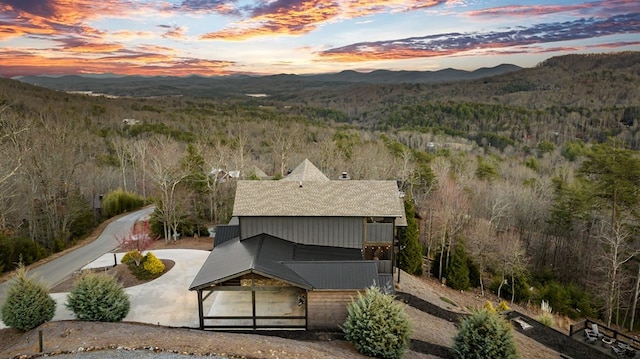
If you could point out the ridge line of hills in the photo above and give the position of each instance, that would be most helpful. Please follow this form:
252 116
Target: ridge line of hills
373 77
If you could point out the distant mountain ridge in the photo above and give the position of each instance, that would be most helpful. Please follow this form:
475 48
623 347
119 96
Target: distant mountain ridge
387 76
593 81
195 85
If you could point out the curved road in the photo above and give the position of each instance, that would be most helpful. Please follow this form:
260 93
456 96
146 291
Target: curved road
55 271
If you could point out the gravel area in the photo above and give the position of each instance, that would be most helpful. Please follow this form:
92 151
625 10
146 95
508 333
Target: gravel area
129 354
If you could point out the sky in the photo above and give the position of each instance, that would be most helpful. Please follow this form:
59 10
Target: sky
262 37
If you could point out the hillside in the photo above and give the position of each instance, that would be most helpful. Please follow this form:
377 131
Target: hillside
585 97
504 167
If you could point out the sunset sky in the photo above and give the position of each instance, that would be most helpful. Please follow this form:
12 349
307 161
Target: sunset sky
219 37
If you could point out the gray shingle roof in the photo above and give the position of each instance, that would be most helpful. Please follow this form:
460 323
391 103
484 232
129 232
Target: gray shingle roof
306 171
326 199
310 267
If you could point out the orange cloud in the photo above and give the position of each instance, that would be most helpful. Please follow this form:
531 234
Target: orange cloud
381 54
49 17
295 17
359 8
604 7
21 63
175 32
461 44
91 48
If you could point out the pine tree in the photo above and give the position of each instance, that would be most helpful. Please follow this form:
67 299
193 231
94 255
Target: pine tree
458 271
377 326
410 255
99 298
28 303
484 334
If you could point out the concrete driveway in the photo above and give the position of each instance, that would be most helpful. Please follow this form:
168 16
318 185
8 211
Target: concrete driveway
165 300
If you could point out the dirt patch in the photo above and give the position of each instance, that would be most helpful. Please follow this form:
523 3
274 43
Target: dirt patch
202 243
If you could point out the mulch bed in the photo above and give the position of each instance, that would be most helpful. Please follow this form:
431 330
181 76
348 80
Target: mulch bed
121 272
429 308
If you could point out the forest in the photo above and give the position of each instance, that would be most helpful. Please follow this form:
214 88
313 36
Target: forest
526 184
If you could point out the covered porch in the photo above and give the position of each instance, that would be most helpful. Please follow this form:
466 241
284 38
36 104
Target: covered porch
254 302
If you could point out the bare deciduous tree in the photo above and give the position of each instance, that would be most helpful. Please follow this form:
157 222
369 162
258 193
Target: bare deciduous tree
167 174
615 249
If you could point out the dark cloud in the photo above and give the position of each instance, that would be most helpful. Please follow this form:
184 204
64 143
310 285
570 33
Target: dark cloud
446 44
44 8
277 6
219 6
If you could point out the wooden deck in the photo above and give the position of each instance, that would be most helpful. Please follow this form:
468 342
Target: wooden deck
609 341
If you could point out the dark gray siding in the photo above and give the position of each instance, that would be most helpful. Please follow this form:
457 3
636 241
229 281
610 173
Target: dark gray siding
379 233
347 232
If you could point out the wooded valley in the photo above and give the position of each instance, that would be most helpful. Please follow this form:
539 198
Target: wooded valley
525 183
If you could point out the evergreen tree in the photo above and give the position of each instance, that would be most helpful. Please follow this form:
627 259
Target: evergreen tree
458 271
410 255
612 175
28 303
377 326
484 334
99 298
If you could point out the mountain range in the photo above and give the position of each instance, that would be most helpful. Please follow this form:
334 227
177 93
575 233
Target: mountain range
239 84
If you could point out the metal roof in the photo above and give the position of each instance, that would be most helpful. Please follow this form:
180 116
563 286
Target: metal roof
225 232
310 267
337 275
306 171
318 198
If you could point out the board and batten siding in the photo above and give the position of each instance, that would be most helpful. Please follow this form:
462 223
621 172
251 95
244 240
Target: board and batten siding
346 232
379 233
328 309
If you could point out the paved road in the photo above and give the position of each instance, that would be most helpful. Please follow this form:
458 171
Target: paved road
58 269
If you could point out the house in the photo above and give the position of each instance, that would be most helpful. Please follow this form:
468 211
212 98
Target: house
302 249
220 175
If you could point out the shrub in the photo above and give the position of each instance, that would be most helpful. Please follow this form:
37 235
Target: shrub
28 303
98 297
483 334
546 319
377 326
152 264
19 250
489 306
119 201
567 299
132 257
503 306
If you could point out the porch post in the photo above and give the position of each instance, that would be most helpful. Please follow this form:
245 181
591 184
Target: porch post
200 309
253 307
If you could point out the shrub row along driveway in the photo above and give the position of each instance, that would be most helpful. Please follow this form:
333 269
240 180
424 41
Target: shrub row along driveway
58 269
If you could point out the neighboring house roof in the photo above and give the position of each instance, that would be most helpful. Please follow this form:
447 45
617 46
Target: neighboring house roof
222 175
318 198
306 171
259 172
310 267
